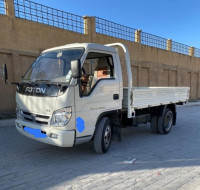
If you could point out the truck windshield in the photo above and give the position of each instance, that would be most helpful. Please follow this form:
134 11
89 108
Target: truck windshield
53 67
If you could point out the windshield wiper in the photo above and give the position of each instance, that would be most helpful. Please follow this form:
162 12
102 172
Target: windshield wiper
42 81
28 81
50 82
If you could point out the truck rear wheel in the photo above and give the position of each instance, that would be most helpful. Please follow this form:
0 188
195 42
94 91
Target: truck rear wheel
103 135
154 123
165 122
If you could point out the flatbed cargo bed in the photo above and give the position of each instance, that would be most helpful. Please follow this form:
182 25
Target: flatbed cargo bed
144 97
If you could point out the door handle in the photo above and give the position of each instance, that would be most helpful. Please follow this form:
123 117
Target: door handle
115 96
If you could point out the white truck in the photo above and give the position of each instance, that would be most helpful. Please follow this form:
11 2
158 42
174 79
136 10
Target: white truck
74 94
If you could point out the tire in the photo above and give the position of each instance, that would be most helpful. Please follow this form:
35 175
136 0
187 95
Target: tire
154 123
103 135
165 122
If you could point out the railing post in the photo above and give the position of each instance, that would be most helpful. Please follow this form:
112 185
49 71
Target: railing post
90 26
10 8
138 36
191 51
169 45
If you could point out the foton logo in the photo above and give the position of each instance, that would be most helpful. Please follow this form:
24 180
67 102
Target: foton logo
36 90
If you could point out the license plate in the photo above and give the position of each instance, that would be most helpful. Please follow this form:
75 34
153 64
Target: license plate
35 132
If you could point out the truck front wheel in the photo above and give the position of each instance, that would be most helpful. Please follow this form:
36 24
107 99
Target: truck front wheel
165 122
103 135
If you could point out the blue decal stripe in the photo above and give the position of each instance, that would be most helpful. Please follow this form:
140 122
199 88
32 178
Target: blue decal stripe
35 132
80 124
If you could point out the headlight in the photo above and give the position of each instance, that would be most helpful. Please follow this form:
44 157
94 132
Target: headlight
19 113
61 117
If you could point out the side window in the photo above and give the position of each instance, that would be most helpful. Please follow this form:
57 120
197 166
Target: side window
97 66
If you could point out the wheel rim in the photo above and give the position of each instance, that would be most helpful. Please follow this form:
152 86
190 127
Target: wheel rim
168 121
107 136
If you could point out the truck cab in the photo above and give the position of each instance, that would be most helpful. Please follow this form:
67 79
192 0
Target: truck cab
56 108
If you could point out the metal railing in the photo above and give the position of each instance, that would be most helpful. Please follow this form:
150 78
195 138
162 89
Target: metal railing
153 41
2 7
197 52
29 10
180 48
123 32
115 30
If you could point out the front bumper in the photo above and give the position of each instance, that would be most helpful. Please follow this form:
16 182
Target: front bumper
64 138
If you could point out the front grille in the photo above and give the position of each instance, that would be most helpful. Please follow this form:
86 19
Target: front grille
35 118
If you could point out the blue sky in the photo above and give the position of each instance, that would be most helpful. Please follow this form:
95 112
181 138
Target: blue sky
178 20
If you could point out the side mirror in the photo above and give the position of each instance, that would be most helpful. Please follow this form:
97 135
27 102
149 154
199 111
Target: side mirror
5 73
5 76
76 68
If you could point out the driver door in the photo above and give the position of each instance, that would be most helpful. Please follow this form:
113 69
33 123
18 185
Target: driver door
97 92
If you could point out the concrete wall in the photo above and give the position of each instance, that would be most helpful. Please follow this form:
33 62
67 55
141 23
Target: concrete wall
22 40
